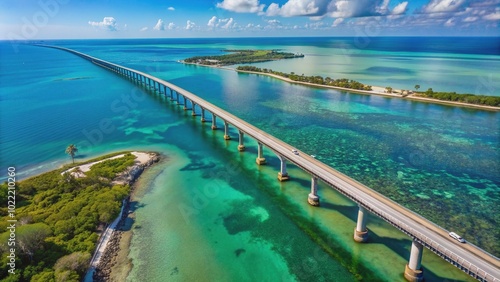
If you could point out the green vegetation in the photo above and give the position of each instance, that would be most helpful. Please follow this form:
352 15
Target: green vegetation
242 57
464 98
342 82
58 217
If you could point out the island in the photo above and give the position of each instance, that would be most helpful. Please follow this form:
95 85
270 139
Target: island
242 57
449 98
64 219
257 56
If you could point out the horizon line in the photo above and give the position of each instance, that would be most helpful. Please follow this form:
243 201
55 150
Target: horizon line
240 37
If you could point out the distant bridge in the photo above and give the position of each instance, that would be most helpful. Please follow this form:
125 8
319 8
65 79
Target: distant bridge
467 257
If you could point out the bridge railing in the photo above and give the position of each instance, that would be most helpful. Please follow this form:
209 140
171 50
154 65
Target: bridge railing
432 245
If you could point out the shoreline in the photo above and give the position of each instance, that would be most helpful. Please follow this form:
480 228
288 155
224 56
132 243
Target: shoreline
377 90
110 246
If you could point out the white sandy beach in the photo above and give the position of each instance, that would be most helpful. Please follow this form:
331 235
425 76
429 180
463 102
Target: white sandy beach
141 158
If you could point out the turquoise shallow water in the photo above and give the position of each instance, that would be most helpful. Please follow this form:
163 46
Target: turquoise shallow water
440 161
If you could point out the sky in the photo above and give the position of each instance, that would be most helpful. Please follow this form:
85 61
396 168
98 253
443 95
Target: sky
74 19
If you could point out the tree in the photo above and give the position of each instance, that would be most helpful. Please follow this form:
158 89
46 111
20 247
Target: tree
417 86
76 262
31 237
388 89
71 150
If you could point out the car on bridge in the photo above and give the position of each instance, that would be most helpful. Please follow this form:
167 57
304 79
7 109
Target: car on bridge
295 152
456 237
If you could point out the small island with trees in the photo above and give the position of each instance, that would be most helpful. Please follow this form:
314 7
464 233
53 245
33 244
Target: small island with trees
493 101
242 57
486 102
319 80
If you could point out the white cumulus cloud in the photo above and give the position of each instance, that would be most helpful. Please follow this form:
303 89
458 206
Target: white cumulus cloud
470 19
242 6
222 23
144 28
294 8
493 17
212 22
400 8
443 6
450 22
190 25
108 23
317 9
273 10
229 24
171 9
338 21
159 25
383 8
171 26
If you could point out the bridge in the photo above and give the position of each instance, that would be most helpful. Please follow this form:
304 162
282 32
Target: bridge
467 257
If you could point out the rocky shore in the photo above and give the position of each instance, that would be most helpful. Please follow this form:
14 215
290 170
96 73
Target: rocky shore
101 269
102 272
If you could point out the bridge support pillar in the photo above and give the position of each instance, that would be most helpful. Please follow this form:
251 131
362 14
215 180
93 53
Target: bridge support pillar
241 146
226 131
260 158
203 115
185 106
283 175
171 95
413 270
193 109
177 98
214 121
313 198
361 233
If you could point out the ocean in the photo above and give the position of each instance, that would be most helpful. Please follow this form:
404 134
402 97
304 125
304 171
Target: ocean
208 212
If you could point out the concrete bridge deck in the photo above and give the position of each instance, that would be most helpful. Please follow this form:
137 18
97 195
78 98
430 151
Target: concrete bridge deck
469 258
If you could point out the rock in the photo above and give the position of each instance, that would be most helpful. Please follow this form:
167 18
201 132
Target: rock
134 172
